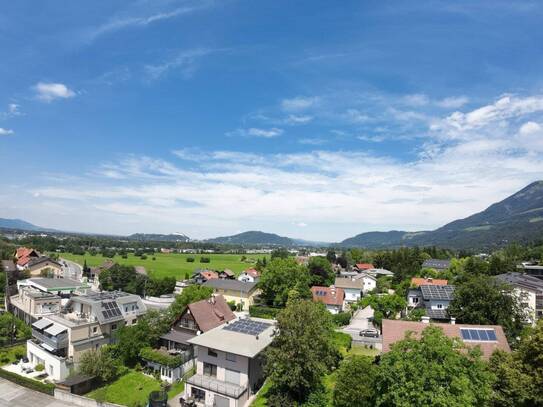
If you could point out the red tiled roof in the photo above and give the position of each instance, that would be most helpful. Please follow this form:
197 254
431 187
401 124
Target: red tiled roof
328 295
23 261
418 281
209 275
211 313
395 330
252 272
364 266
25 252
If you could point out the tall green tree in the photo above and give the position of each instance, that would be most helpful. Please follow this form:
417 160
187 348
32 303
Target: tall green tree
433 371
280 277
530 352
355 383
514 386
479 299
100 363
190 294
321 271
301 353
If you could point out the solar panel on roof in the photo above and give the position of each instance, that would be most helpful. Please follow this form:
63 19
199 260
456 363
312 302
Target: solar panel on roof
247 326
480 335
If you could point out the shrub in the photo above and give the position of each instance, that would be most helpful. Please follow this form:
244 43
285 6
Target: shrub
157 357
342 318
232 305
28 383
205 259
190 259
143 257
259 311
39 367
154 258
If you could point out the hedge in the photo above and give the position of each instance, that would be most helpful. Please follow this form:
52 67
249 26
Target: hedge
259 311
341 318
152 355
32 384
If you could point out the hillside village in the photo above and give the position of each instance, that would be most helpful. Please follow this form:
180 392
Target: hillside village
215 337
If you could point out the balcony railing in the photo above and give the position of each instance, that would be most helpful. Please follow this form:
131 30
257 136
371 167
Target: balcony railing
217 386
56 342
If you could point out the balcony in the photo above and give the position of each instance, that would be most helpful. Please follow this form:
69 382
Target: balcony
217 386
56 342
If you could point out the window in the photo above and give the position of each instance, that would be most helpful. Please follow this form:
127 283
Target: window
439 306
198 394
231 357
94 329
211 352
415 300
134 320
113 327
210 369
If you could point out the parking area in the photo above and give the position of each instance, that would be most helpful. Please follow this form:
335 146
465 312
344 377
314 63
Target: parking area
13 395
362 320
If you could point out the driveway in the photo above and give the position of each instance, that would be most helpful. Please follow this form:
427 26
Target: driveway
71 269
360 321
13 395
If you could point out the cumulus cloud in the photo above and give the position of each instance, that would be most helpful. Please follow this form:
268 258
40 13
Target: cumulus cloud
418 99
5 132
48 91
298 103
256 132
529 128
453 102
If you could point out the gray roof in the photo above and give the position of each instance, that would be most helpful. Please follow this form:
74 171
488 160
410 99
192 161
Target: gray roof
240 343
43 259
234 285
380 272
437 292
436 264
346 282
178 336
438 314
524 281
8 266
55 283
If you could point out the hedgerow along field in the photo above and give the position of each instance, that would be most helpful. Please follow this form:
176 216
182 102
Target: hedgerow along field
173 264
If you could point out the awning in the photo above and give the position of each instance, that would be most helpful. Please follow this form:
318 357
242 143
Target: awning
42 323
47 347
55 329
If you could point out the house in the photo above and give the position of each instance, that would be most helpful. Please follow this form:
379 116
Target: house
227 274
435 299
530 292
379 273
534 270
230 363
418 281
94 272
363 266
250 276
85 323
351 286
436 264
43 266
23 255
199 317
63 287
488 337
237 291
331 296
201 276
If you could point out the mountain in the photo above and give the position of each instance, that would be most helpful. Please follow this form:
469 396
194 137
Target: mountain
518 218
253 238
19 224
174 237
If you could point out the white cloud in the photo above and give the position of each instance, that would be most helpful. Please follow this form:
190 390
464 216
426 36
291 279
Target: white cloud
5 132
299 103
47 91
453 102
298 119
184 62
418 99
256 132
529 128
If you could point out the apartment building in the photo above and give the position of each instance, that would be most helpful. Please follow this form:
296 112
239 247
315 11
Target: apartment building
85 323
229 367
529 290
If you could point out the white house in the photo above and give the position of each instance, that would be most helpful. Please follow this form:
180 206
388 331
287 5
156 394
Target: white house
351 286
332 297
249 276
529 289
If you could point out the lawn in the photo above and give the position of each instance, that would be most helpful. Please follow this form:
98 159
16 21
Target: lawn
362 351
172 264
131 389
12 353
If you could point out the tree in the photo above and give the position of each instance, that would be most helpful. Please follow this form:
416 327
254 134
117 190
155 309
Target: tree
279 254
190 294
355 383
331 256
433 371
530 352
514 386
301 352
131 339
385 306
321 271
280 277
479 299
99 363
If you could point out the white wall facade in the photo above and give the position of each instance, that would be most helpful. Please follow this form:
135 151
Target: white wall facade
57 368
352 294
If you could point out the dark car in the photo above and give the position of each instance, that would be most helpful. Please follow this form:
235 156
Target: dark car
369 333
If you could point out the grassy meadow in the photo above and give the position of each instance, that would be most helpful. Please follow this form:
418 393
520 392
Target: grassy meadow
172 264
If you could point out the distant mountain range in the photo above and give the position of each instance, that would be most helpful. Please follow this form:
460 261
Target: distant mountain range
518 218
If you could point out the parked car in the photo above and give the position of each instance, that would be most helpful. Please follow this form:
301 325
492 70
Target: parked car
369 333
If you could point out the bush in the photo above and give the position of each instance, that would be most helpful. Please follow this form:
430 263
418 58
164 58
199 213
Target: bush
154 258
232 305
190 259
342 318
39 367
143 257
205 259
32 384
157 357
259 311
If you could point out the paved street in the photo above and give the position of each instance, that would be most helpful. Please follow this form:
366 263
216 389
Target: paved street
71 269
360 321
13 395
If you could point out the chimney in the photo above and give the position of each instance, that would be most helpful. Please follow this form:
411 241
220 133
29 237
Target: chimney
453 321
425 319
430 279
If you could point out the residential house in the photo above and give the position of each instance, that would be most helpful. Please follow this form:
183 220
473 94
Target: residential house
197 318
436 264
23 255
230 363
363 267
227 274
241 293
487 337
332 297
435 299
351 286
418 281
530 292
85 323
63 287
43 266
379 272
532 269
94 272
201 276
250 276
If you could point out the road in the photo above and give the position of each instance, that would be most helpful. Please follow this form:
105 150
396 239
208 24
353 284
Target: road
360 321
13 395
71 269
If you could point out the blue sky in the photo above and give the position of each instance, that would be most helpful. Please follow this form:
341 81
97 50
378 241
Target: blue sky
310 119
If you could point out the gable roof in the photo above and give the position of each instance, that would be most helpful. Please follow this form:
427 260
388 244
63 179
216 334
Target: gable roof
524 281
228 272
437 292
364 266
328 295
436 264
25 252
252 272
234 285
209 275
395 330
346 282
211 313
40 260
418 281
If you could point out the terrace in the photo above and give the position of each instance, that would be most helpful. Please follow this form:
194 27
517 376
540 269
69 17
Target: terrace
217 386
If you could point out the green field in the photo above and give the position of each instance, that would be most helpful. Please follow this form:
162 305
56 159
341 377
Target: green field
172 264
